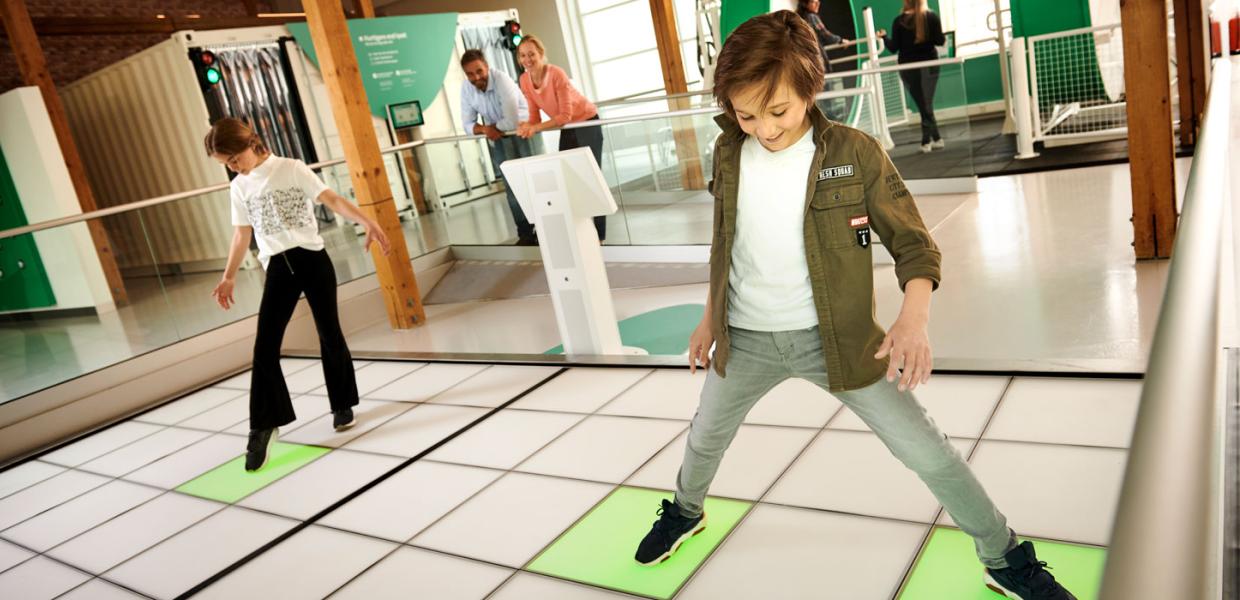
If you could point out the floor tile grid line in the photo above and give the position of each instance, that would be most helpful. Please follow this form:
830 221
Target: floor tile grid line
761 499
383 421
239 394
248 368
362 490
322 389
925 540
295 398
409 541
34 483
107 581
517 468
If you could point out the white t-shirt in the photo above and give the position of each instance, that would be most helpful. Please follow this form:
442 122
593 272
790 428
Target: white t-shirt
768 285
277 200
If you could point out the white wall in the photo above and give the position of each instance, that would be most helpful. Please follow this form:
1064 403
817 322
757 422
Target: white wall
46 192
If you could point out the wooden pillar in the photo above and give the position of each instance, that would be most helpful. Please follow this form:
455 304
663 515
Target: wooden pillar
367 8
1151 151
33 66
338 63
1192 51
663 12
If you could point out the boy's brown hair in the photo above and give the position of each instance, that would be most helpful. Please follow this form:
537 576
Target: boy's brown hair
769 49
230 136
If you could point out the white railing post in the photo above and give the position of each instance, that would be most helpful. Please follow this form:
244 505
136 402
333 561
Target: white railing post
1020 100
876 83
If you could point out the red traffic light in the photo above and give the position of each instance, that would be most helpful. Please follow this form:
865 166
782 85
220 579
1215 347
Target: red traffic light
514 27
207 57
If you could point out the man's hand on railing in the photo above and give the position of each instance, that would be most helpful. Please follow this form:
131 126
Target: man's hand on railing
492 132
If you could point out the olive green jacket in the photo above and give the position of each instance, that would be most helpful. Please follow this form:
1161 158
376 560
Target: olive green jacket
852 187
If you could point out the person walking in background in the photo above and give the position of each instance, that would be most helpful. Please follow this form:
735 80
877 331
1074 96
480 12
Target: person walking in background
808 10
547 88
492 97
914 35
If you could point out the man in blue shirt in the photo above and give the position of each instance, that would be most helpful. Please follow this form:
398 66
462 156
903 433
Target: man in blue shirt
492 105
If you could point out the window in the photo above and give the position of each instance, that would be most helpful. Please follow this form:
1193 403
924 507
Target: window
619 40
973 21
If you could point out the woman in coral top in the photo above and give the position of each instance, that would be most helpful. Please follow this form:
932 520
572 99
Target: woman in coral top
546 87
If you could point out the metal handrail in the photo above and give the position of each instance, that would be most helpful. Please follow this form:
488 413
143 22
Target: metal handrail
1159 546
149 202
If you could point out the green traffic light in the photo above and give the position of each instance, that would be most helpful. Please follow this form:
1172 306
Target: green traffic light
213 76
516 39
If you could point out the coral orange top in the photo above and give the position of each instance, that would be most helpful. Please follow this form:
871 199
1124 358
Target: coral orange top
557 97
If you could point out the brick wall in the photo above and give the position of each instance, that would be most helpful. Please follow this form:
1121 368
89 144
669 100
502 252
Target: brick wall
71 57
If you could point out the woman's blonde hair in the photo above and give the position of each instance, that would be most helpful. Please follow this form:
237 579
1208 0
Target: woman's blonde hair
916 11
537 43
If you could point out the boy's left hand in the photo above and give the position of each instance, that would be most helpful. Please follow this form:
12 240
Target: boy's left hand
374 234
908 345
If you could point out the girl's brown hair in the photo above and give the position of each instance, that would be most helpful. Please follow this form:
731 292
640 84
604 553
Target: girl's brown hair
230 136
915 11
769 49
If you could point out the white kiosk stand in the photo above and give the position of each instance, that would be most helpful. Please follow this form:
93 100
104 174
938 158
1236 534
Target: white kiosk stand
562 193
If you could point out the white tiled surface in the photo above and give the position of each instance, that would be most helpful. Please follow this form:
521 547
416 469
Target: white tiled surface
78 515
666 394
528 585
416 430
418 573
311 564
224 416
190 462
305 380
795 403
506 439
370 414
190 557
44 495
241 381
191 405
495 386
100 443
581 390
306 408
98 589
604 448
144 451
11 555
317 485
1088 412
1057 492
39 579
409 501
378 374
959 405
511 521
125 536
25 475
757 456
810 554
425 383
853 472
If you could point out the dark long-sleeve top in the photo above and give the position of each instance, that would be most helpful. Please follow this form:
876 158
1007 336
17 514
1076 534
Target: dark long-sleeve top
902 38
825 37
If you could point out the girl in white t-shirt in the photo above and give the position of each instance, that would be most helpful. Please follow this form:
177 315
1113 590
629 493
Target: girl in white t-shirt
273 199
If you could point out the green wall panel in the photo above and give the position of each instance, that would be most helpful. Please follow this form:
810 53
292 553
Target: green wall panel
23 280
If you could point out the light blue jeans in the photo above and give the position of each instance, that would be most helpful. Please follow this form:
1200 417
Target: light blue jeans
759 361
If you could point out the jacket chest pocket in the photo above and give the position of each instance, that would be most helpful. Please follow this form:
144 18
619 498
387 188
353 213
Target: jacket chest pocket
840 215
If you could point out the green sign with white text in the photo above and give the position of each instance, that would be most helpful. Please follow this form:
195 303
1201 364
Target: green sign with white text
401 59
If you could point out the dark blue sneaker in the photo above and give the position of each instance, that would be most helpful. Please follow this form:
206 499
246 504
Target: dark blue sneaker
668 533
259 447
1025 578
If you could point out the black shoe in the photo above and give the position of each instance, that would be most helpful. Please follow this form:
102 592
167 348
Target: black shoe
259 447
527 240
1025 578
343 419
668 533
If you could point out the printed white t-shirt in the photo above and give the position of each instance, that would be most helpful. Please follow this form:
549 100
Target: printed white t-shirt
277 200
768 284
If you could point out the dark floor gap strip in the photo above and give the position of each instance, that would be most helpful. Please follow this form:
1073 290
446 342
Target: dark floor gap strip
358 492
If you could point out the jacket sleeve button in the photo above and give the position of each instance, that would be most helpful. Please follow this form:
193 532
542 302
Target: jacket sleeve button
836 196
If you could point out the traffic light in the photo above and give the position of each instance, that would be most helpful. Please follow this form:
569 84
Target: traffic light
512 34
205 65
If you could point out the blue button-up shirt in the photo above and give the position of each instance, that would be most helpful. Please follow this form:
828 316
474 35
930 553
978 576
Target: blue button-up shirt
502 105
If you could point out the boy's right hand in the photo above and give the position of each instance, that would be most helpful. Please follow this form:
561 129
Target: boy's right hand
699 346
223 293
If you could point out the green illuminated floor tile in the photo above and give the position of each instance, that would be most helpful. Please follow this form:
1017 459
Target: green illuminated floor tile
948 568
230 482
664 331
599 549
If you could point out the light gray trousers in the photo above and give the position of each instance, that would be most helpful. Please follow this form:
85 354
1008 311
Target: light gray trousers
761 360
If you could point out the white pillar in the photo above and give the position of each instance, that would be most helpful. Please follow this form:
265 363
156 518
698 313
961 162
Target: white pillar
1020 101
876 82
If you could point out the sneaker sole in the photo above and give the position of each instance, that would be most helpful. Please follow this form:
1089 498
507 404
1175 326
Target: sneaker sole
267 455
688 534
346 426
999 589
